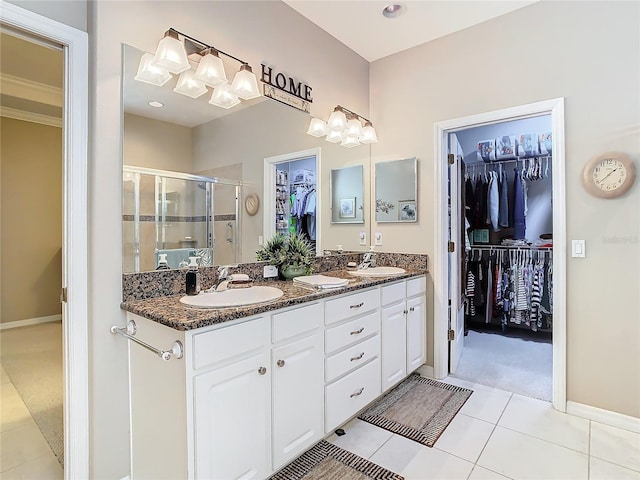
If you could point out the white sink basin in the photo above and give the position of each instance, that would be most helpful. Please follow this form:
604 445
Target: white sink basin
378 272
235 297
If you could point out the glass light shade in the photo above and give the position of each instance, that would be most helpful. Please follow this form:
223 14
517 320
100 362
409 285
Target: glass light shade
335 136
148 72
171 55
245 83
350 142
317 127
223 97
368 134
189 86
337 120
354 128
211 70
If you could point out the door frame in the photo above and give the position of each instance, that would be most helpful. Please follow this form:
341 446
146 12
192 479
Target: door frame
74 243
269 189
555 108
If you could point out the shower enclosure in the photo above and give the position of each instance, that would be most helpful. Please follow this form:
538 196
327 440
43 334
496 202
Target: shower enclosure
179 215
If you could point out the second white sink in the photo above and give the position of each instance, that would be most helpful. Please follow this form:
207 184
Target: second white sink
235 297
378 272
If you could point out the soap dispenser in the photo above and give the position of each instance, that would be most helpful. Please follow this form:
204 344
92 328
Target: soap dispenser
162 262
193 278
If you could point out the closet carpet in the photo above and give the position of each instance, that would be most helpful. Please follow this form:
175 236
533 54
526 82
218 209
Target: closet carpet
32 358
508 363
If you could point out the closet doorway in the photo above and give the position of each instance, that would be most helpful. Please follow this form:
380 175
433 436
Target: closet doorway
502 214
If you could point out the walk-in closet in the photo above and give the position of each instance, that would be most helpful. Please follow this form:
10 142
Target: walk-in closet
505 204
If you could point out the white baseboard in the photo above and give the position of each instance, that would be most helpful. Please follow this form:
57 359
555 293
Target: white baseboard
426 371
607 417
31 321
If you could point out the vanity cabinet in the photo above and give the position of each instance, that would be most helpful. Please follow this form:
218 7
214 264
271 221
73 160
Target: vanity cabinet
252 394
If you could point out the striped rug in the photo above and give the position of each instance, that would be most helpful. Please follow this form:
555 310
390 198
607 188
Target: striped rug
326 461
419 409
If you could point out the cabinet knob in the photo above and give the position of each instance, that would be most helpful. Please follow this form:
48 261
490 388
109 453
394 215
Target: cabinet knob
262 370
412 309
357 357
280 363
358 332
405 311
358 305
358 393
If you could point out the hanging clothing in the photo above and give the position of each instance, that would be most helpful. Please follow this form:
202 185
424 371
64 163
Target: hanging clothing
493 201
503 218
519 219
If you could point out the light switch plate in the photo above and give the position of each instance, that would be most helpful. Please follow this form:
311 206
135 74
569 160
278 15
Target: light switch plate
363 238
269 271
578 249
378 238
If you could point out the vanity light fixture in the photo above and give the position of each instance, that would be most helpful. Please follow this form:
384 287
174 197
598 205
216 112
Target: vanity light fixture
344 127
174 54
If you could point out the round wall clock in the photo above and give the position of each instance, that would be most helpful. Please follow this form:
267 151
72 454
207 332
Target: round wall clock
609 175
251 204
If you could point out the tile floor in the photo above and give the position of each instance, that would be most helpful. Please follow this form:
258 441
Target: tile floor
24 453
501 435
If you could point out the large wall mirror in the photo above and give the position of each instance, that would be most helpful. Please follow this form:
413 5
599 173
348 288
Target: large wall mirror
396 191
347 195
189 165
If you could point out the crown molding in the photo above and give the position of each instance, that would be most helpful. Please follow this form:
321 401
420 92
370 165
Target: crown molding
30 117
29 90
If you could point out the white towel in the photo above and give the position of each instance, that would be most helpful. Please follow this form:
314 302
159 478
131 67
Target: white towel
321 281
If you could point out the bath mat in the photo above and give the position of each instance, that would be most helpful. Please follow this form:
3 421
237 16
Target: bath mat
419 409
325 461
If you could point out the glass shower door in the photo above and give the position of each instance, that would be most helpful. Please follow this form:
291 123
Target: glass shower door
226 223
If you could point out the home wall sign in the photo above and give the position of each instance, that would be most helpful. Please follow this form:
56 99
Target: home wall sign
285 89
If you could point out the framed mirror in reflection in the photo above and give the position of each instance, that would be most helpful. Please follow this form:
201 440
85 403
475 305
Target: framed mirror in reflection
347 195
396 190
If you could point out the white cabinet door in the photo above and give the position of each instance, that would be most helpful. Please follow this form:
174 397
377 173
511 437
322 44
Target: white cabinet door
416 332
394 344
298 397
232 406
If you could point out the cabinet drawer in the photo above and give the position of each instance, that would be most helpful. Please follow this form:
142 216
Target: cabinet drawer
393 293
229 342
351 305
294 322
351 394
416 286
352 332
352 358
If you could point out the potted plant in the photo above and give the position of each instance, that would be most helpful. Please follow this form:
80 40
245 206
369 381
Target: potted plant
292 254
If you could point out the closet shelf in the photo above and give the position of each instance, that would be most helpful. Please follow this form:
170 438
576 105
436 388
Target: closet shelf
509 247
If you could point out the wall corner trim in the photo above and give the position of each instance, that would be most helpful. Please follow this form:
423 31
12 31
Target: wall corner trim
607 417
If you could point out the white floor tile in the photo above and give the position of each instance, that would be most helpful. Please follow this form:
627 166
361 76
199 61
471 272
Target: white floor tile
465 437
520 456
601 470
41 468
485 403
4 378
22 445
615 445
539 419
417 462
13 412
480 473
473 385
361 438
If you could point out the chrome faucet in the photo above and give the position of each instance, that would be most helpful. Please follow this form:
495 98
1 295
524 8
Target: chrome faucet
368 260
222 279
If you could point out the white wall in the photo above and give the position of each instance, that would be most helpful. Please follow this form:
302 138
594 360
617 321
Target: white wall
587 52
249 30
69 12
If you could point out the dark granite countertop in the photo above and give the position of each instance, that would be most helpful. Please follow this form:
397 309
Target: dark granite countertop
170 312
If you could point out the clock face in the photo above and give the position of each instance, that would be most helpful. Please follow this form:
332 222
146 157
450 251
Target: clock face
609 174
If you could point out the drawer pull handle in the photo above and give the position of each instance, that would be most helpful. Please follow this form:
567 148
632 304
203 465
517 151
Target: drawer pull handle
357 357
280 363
358 393
358 332
262 370
412 309
357 305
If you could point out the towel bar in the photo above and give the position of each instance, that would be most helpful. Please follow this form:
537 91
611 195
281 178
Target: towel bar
130 330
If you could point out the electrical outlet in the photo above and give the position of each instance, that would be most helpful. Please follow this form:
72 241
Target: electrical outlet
363 238
260 239
270 271
378 240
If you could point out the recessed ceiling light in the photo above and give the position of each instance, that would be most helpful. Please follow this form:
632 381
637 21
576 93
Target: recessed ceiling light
394 10
155 104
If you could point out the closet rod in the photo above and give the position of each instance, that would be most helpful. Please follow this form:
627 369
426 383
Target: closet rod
510 160
509 247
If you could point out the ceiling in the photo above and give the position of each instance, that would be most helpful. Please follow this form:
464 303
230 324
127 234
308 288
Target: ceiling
361 26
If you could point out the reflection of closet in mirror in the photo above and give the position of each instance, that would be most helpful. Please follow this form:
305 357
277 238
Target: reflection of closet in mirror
347 195
396 190
293 181
174 215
